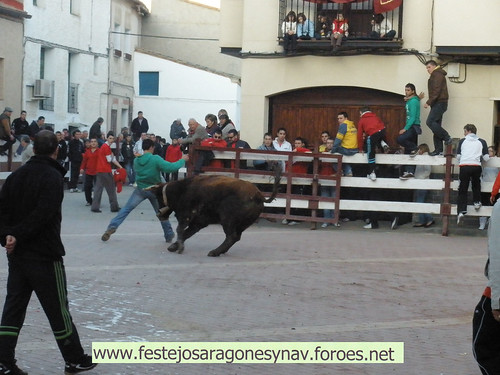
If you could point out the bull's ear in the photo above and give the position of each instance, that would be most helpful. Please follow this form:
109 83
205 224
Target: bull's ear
153 187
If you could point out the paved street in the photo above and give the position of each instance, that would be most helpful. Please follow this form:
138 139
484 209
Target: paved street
277 284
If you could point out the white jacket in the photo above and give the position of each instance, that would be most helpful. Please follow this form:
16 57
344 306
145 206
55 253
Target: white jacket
471 150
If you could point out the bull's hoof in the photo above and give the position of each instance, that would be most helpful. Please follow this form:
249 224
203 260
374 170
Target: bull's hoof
174 247
213 253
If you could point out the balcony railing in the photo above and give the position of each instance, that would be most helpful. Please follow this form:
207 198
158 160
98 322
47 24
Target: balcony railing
365 28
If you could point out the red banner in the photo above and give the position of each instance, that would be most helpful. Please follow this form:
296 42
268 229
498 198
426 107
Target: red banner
382 6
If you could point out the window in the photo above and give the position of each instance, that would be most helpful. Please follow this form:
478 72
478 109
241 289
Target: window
149 83
73 98
117 37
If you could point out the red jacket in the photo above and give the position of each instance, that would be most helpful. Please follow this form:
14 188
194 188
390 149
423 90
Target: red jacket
496 187
369 123
301 166
211 142
174 153
89 162
103 165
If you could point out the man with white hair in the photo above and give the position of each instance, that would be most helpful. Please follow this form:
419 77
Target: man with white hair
196 131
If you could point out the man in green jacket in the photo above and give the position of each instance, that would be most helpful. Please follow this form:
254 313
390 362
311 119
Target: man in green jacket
147 169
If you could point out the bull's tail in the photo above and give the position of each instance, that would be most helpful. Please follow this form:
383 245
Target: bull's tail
277 179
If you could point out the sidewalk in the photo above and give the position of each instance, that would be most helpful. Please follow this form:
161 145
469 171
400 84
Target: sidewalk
278 283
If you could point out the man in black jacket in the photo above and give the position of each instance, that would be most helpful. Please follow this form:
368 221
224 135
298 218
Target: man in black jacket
30 230
139 125
76 149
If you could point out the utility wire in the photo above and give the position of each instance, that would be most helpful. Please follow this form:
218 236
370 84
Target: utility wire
163 37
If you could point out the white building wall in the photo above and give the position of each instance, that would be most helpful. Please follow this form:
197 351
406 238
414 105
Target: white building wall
184 92
60 32
426 23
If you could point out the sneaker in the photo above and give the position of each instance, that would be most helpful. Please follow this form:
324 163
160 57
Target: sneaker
406 176
84 365
11 369
324 225
284 222
293 223
108 234
395 222
477 205
460 217
385 146
368 226
348 174
88 204
436 153
414 153
74 190
372 176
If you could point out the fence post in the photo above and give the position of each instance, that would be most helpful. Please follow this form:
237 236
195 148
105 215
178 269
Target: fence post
446 205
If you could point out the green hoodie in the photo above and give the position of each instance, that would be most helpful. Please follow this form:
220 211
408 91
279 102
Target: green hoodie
147 169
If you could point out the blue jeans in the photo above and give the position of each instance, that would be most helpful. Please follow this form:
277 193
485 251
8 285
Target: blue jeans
135 199
129 167
347 152
420 198
409 140
328 191
434 122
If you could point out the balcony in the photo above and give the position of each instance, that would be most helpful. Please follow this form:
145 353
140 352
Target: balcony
362 23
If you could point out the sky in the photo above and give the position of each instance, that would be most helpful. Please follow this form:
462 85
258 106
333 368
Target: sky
212 3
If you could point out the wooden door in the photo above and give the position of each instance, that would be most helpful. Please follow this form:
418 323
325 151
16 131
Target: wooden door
308 112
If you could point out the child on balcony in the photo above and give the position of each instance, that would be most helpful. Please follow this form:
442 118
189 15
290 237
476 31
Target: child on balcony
289 29
339 30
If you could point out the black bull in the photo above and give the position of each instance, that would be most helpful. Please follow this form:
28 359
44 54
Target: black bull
202 200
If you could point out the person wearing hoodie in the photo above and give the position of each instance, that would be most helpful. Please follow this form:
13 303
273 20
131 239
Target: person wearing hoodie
408 136
471 150
438 101
147 169
371 125
346 140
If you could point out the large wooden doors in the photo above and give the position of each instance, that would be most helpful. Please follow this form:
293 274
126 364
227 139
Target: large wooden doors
307 112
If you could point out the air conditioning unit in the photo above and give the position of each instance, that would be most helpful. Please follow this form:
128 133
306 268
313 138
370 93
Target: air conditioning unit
42 88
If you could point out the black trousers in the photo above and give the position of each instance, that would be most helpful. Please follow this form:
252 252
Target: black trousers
48 280
88 185
468 173
75 173
485 338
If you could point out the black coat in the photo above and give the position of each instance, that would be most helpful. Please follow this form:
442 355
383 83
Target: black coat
138 128
30 209
76 148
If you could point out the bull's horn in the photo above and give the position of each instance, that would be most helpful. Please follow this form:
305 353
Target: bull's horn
149 188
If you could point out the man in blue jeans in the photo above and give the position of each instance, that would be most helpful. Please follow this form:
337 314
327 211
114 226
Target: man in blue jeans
438 101
147 169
